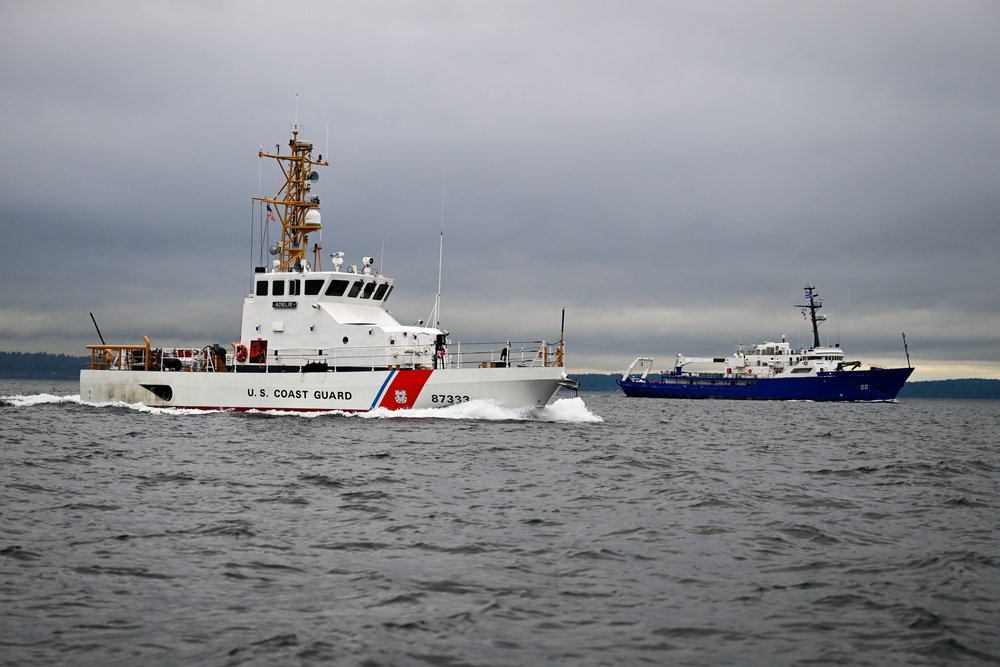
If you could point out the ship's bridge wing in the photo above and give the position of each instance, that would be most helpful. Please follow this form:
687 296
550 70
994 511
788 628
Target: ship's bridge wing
344 313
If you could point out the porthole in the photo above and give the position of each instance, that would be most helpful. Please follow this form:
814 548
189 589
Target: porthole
345 340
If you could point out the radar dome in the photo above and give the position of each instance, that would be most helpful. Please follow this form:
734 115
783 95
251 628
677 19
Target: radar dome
313 218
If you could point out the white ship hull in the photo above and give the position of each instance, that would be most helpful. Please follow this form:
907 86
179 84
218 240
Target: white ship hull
360 391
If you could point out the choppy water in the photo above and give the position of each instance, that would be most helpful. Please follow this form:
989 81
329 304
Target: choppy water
604 531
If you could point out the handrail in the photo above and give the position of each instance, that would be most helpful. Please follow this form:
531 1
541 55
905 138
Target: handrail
102 357
459 355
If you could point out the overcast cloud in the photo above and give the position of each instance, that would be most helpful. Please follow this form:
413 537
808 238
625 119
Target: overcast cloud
671 173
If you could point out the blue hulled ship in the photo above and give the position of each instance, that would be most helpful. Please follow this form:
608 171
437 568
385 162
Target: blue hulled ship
771 371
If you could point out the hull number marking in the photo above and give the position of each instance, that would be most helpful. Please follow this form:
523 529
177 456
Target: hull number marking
448 398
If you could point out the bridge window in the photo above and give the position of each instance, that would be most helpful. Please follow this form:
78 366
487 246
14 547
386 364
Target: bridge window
313 286
337 287
294 287
278 289
369 288
355 289
380 292
261 288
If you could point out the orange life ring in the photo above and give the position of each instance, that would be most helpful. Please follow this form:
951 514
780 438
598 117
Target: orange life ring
241 353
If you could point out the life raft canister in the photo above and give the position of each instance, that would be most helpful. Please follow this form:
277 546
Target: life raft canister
241 353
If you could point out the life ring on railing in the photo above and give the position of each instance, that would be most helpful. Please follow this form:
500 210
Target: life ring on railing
241 353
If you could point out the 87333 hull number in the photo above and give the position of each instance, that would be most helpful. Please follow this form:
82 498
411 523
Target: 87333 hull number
448 398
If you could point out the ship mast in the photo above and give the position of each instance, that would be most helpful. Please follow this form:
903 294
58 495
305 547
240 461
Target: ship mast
815 303
297 211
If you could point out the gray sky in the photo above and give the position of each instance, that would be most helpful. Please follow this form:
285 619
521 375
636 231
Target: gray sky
672 173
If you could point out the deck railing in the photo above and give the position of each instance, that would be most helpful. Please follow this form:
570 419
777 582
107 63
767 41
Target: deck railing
211 358
120 357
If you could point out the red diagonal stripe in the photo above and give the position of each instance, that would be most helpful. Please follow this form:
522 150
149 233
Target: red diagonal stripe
404 390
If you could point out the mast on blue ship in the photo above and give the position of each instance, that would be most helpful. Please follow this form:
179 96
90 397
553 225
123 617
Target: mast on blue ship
815 303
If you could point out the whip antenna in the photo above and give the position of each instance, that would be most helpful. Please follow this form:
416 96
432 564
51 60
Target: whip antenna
435 317
98 329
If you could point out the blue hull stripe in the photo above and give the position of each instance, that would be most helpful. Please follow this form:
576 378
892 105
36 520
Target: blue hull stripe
378 396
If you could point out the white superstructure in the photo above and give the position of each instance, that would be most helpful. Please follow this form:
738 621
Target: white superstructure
769 359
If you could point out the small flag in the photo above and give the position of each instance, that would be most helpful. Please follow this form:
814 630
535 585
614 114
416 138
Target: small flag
804 314
270 213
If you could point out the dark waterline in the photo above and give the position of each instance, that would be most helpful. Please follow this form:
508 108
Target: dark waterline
664 532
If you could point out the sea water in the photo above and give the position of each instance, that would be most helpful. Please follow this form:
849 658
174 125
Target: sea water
601 530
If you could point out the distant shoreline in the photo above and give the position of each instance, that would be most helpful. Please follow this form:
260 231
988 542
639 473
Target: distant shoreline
44 366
